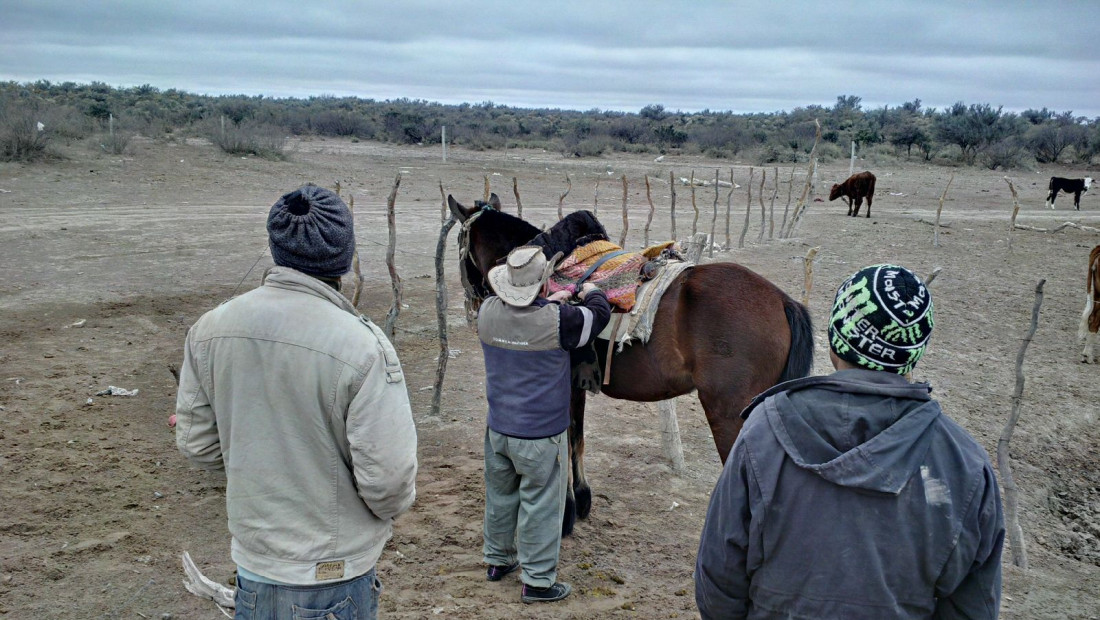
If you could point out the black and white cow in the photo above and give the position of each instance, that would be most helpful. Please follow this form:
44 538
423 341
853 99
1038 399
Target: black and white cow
1069 186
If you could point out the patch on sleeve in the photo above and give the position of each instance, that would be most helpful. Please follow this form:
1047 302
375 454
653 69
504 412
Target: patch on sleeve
327 571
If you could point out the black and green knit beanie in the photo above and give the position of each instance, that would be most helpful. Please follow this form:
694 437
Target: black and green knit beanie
881 319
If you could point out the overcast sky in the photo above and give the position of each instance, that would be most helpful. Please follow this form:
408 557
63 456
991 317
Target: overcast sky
614 55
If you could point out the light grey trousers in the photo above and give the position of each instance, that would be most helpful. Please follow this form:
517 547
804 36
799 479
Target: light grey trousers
525 485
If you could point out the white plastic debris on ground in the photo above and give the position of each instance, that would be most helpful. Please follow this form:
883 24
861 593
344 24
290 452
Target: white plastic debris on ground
116 391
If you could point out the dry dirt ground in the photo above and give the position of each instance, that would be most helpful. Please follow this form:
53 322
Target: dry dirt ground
97 505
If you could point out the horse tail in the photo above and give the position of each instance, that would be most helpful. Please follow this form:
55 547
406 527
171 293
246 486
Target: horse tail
800 357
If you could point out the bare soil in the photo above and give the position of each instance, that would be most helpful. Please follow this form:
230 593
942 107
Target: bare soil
107 260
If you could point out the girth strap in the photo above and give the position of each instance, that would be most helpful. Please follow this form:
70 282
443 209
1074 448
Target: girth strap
603 259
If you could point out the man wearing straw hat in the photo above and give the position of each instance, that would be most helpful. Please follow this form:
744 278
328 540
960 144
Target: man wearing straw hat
853 495
526 339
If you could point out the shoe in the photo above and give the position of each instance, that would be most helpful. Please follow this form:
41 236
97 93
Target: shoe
496 573
556 592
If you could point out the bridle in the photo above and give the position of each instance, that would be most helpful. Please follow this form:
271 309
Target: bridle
475 293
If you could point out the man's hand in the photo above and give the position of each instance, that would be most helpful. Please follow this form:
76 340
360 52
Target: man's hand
561 296
586 289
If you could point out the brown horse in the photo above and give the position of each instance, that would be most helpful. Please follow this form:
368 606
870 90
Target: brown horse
720 329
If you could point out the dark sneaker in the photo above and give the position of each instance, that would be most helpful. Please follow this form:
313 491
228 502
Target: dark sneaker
496 573
556 592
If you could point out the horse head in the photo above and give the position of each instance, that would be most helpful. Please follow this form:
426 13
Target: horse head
487 236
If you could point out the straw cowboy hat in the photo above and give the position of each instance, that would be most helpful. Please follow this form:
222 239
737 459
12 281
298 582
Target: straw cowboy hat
518 281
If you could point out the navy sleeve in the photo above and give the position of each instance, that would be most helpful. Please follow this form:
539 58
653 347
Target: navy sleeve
721 567
579 325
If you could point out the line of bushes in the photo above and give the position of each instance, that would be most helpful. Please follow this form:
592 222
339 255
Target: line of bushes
975 134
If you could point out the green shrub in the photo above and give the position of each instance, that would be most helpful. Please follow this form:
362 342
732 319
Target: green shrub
249 138
21 136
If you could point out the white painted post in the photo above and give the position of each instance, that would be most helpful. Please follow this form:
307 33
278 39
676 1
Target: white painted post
670 435
444 143
852 162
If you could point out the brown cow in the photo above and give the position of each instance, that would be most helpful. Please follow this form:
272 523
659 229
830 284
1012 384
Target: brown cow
858 186
1090 318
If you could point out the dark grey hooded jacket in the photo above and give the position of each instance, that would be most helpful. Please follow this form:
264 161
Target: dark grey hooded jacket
852 496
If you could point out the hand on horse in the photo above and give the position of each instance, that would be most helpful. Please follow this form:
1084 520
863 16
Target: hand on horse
561 296
586 289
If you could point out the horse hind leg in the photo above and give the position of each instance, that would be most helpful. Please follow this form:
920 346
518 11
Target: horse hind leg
581 491
578 495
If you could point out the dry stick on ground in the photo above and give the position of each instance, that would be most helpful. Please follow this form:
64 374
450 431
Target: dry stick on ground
1004 463
519 205
790 189
626 220
441 313
391 221
694 207
1059 227
808 267
714 215
1015 210
729 205
355 261
760 197
932 276
811 170
672 213
771 207
648 220
486 197
561 199
670 435
748 211
936 230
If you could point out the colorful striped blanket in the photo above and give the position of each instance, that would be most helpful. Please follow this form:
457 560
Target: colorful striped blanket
618 277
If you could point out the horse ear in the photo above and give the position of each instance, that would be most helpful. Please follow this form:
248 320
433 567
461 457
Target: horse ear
494 201
460 212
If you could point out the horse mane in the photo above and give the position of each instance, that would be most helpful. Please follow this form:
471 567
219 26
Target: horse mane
573 231
507 226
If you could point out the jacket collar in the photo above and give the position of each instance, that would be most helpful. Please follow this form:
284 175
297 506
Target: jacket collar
854 380
294 280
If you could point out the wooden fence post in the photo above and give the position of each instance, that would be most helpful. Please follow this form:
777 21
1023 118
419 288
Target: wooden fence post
596 200
714 216
808 282
748 211
486 197
936 230
771 207
729 204
649 220
441 313
626 219
790 189
670 435
672 213
519 204
355 262
811 173
391 221
694 207
1015 210
561 199
763 214
1004 463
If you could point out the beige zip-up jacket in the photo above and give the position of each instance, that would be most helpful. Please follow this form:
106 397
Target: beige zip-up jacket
303 402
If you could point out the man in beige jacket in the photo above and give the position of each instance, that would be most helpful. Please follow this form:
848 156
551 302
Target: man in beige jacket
303 403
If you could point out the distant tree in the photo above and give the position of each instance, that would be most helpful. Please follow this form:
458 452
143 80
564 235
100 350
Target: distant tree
653 112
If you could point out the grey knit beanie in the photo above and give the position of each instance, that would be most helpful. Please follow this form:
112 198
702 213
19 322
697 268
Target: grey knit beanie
310 229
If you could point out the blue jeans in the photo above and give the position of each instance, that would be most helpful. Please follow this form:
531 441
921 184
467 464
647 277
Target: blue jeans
355 599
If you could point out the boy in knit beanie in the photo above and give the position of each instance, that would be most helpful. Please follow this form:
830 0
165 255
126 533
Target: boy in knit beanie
310 421
853 495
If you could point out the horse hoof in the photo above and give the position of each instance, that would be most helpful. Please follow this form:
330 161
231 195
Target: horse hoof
570 517
584 501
